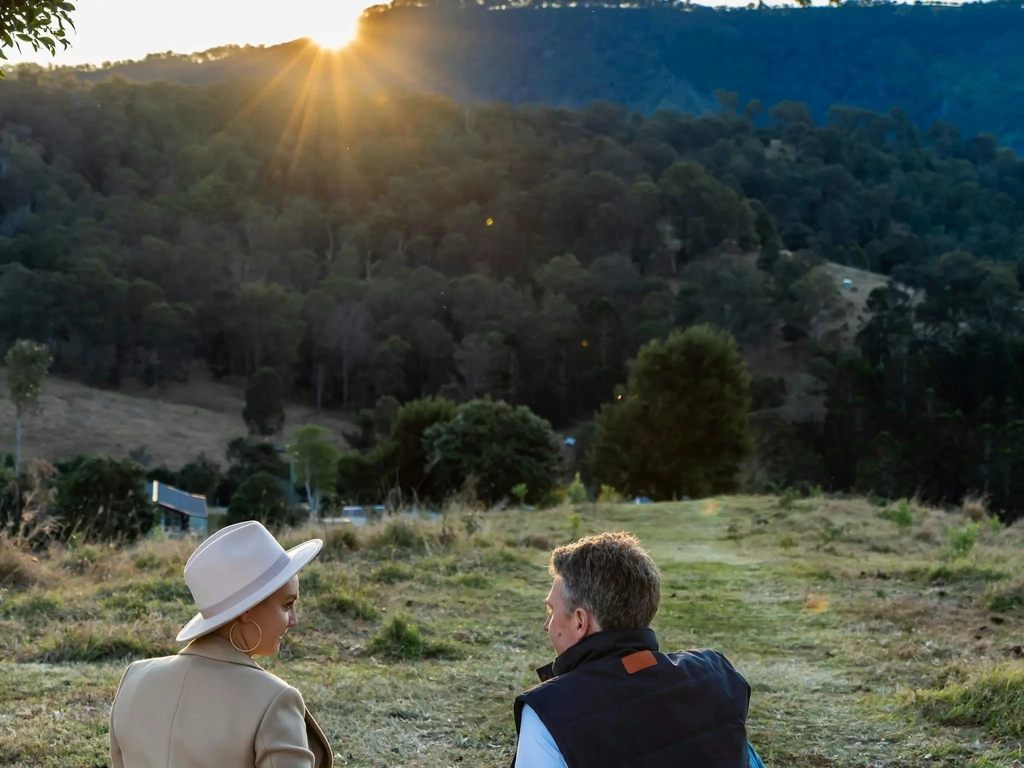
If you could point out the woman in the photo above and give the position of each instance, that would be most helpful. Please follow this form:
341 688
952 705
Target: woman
211 705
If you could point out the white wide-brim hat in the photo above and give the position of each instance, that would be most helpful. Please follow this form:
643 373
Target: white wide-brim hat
236 569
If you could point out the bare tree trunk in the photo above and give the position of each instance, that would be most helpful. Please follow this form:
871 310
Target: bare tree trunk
17 444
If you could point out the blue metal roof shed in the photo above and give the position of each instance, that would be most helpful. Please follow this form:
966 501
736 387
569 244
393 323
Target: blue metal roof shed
181 511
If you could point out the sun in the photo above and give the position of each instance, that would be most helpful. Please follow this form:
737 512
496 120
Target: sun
337 26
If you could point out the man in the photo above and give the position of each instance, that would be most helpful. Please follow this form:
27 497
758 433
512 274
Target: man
611 699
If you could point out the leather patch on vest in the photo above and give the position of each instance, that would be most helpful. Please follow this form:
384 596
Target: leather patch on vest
639 660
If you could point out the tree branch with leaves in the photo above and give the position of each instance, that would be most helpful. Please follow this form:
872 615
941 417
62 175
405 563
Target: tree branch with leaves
36 23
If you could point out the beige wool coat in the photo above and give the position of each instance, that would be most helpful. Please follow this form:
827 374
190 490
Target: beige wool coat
211 706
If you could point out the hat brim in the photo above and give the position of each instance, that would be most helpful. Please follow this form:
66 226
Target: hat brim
200 625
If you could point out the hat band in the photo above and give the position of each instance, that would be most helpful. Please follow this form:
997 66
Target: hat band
253 586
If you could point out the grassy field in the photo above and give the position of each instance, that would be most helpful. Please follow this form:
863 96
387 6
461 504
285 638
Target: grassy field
868 643
174 425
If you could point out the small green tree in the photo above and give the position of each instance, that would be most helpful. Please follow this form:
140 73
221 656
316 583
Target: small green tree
498 444
261 498
316 463
264 403
25 368
411 469
104 499
681 428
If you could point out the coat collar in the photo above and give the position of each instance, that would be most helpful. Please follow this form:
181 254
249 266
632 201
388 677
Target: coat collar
219 649
600 645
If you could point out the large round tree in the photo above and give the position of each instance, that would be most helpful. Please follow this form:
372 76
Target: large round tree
498 444
681 428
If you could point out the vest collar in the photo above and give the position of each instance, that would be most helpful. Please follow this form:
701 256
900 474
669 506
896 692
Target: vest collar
600 645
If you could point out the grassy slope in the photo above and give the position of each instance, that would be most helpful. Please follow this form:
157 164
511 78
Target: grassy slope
174 426
830 612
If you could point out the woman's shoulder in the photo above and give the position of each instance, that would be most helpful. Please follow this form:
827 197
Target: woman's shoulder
247 682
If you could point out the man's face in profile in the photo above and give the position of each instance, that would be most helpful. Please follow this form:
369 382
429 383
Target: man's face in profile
560 625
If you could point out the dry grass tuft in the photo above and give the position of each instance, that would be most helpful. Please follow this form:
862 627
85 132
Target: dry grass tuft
20 569
975 508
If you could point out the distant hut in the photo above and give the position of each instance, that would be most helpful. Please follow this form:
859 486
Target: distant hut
180 512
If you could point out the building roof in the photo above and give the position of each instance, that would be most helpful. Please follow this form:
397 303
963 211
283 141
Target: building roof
190 504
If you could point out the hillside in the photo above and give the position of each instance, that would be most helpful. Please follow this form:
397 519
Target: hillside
955 64
404 245
866 644
172 426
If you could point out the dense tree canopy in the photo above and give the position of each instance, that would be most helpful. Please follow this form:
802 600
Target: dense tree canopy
405 246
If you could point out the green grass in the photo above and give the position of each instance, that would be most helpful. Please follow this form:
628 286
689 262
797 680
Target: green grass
411 646
991 697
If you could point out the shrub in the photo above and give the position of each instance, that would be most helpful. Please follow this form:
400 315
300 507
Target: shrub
526 451
975 508
392 573
104 500
401 640
576 527
411 463
962 540
1006 597
363 477
400 536
682 426
901 514
339 540
261 498
350 606
201 476
519 491
576 492
553 498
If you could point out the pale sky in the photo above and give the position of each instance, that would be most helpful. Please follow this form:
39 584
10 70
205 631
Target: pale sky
114 30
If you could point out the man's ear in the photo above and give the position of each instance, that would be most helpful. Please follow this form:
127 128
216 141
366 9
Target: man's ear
583 622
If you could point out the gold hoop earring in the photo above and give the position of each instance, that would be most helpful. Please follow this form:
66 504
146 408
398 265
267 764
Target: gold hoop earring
231 636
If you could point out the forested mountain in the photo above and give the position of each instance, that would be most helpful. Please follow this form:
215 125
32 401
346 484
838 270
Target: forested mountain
958 64
403 244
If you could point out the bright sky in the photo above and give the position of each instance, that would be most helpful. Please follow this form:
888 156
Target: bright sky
114 30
